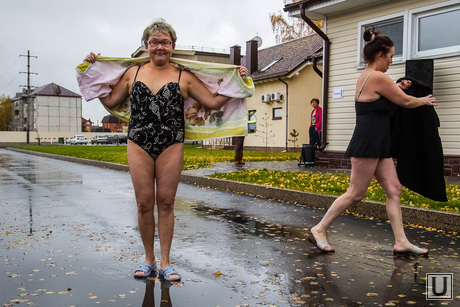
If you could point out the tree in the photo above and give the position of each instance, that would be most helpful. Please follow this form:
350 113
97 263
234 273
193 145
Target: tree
6 113
294 134
266 132
286 29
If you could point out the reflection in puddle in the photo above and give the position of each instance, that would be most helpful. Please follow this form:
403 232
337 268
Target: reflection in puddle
348 278
247 224
40 172
149 296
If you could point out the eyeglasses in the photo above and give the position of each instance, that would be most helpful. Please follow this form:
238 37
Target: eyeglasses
155 43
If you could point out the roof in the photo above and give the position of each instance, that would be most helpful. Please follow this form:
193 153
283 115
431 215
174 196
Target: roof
286 58
99 129
111 119
53 89
318 9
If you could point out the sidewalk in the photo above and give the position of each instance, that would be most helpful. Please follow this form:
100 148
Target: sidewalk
414 216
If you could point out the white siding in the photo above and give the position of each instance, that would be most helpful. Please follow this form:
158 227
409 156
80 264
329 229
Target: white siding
342 30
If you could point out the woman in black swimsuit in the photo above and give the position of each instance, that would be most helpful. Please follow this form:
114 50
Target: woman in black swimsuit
369 147
157 91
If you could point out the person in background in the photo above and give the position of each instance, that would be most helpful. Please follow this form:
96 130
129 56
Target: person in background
239 145
369 147
316 122
155 151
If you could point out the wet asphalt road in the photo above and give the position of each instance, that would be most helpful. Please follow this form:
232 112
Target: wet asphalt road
68 237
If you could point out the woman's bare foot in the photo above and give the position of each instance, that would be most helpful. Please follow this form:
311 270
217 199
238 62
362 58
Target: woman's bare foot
318 238
409 249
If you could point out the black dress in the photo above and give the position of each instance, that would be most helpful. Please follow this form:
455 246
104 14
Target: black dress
372 135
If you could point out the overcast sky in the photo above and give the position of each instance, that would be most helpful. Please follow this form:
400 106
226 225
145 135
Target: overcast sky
60 33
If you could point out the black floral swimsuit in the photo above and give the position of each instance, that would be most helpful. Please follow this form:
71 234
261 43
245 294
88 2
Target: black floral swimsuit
157 120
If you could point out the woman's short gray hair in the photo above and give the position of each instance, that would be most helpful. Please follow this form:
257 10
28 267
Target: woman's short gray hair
159 26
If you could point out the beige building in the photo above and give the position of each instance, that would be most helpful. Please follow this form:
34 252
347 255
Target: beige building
286 79
421 30
50 108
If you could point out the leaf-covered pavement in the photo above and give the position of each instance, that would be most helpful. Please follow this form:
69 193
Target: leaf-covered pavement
69 238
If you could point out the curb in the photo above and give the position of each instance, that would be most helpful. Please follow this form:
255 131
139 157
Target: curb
108 165
412 216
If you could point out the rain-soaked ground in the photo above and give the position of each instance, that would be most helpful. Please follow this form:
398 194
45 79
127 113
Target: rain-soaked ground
68 237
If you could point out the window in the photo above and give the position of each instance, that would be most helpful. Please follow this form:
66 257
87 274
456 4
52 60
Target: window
251 114
435 31
426 32
270 65
391 26
277 113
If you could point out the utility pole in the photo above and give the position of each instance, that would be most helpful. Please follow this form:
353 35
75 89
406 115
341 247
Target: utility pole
27 99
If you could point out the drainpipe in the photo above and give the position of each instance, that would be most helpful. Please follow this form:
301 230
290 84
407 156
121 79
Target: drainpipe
235 59
315 67
287 115
326 52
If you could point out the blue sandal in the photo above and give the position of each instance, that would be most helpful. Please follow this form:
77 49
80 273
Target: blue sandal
168 271
147 268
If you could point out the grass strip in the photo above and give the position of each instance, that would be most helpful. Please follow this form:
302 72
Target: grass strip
336 184
194 156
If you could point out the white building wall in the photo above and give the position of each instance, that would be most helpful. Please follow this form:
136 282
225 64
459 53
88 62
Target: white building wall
58 114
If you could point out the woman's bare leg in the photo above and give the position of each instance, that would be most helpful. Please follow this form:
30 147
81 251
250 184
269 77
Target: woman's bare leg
388 179
168 168
362 172
142 170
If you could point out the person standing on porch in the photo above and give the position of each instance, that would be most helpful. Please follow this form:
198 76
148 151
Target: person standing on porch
316 123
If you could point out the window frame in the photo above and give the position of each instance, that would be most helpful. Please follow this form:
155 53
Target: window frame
375 22
414 17
266 67
277 117
410 33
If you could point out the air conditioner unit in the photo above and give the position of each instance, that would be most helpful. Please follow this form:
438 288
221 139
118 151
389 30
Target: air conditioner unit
266 98
276 97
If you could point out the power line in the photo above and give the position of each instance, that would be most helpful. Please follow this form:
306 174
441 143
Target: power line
28 70
4 74
11 81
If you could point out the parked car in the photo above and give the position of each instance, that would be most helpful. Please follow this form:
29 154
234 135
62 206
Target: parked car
78 139
118 139
100 139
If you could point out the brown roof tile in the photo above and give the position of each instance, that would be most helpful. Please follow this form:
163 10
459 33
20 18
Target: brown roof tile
53 89
111 119
291 55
